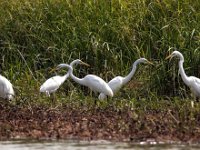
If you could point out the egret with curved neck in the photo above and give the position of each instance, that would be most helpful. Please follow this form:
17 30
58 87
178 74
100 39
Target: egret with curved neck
116 83
94 82
52 84
192 82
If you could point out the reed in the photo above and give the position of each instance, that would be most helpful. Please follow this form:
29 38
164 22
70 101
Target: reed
110 35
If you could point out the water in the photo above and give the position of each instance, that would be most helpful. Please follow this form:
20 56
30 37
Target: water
90 145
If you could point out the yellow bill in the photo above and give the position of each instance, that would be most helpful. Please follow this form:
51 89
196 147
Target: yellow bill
83 63
168 57
52 70
150 63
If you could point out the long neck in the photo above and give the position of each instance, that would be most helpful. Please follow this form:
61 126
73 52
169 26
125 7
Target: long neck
76 79
182 71
73 63
63 78
130 75
66 76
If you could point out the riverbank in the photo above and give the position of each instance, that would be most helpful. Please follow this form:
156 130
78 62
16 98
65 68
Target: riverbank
136 123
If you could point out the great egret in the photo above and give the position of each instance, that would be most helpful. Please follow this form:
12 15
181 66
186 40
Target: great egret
192 82
116 83
6 88
94 82
53 83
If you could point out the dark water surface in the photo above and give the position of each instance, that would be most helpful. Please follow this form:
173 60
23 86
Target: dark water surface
91 145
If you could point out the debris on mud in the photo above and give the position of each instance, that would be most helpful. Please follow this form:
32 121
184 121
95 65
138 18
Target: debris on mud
108 123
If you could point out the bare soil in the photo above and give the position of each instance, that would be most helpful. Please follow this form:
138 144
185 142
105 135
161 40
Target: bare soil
110 124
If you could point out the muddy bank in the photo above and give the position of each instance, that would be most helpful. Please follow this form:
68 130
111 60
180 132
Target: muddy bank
108 123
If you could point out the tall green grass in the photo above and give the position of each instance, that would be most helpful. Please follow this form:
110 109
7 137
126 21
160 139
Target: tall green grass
109 34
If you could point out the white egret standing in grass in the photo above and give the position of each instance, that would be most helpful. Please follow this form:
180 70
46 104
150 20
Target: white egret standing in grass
6 88
53 83
94 82
116 83
192 82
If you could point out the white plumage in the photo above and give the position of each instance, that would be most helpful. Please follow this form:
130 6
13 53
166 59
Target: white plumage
6 88
192 82
53 83
116 83
94 82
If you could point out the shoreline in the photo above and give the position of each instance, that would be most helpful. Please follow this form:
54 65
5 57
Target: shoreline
96 124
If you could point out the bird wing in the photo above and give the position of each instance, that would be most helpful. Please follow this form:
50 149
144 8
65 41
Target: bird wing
197 81
93 82
51 85
96 83
195 85
6 89
116 83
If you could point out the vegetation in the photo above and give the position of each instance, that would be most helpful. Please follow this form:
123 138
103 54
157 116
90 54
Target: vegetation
110 35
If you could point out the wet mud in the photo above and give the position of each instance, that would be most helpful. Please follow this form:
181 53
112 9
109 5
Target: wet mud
39 122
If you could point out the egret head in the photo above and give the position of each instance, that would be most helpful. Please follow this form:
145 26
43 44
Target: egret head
173 54
78 61
62 66
143 60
